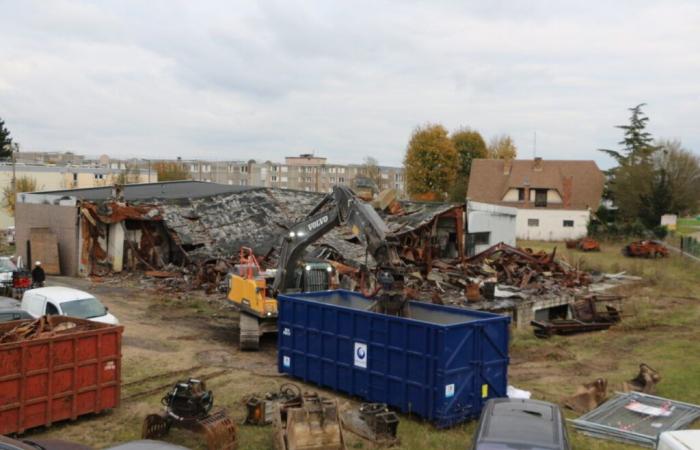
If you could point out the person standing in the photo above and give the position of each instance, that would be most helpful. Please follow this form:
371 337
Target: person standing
38 275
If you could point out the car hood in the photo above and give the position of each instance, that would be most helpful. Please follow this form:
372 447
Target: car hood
107 318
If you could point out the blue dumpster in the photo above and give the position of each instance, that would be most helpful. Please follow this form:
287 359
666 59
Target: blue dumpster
440 363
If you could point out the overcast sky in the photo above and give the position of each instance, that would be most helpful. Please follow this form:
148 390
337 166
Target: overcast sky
241 80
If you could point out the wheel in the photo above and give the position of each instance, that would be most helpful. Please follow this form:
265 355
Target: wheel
249 332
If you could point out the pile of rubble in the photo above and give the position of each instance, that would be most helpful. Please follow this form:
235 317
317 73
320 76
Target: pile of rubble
516 272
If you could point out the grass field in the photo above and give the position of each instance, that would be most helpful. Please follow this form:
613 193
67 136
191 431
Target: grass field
165 335
688 226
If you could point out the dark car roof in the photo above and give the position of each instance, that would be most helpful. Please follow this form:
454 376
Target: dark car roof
529 423
9 303
48 444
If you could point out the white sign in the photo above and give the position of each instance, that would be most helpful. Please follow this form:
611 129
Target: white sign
286 361
287 332
449 390
361 355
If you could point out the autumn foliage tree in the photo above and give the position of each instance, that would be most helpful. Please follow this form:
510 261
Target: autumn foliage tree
431 162
23 184
502 147
171 171
470 145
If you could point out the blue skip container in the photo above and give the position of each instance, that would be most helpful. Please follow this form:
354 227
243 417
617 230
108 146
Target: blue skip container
441 363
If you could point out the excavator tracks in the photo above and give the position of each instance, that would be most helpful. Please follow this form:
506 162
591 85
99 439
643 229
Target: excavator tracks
249 332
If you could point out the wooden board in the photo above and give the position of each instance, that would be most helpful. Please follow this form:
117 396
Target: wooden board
44 247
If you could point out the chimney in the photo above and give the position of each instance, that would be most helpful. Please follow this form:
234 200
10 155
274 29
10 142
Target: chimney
537 167
507 166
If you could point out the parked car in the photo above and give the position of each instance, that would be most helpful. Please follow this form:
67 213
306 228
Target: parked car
11 309
645 249
65 301
147 445
7 443
679 440
7 267
518 424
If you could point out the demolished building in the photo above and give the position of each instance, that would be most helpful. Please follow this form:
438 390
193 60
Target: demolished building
191 233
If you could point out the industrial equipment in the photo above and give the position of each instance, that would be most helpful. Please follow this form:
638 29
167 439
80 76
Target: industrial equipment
254 291
313 425
188 405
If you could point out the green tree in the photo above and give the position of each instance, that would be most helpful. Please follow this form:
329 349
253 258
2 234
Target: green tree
5 141
171 171
635 181
431 161
681 168
502 147
23 184
470 145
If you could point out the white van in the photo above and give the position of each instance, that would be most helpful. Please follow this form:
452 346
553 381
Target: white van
679 440
65 301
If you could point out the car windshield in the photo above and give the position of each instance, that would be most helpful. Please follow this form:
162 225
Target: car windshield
6 265
85 308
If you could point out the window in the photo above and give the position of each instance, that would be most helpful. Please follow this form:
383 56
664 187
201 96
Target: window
85 308
51 309
482 238
568 223
341 179
521 194
533 222
273 178
75 176
541 197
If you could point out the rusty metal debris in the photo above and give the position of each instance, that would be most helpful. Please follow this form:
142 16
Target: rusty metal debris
372 421
645 381
45 327
188 405
586 244
261 408
314 425
587 316
588 396
645 249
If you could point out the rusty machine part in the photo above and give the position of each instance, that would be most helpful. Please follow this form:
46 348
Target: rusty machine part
372 421
645 381
261 409
314 425
188 405
588 396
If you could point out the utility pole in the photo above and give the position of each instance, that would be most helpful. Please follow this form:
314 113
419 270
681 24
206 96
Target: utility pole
14 177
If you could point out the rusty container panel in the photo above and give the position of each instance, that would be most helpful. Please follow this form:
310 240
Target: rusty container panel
58 377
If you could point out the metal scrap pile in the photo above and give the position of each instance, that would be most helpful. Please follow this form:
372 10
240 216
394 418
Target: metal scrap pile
44 327
525 269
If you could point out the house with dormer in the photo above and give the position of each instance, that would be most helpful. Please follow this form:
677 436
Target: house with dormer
554 198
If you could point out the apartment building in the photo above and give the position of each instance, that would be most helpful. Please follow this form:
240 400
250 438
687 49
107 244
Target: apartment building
49 177
304 172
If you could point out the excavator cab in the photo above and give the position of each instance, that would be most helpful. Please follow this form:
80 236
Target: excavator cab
249 290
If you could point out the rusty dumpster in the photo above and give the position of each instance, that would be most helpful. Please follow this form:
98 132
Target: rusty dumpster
57 368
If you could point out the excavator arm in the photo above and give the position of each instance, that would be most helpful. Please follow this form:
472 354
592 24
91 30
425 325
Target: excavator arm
340 207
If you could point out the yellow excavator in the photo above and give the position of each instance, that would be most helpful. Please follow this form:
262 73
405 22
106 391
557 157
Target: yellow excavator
254 291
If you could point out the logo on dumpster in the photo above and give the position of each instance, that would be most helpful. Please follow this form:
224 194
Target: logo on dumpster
361 355
109 365
286 361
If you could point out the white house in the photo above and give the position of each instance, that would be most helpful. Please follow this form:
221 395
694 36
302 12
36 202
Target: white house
554 199
488 225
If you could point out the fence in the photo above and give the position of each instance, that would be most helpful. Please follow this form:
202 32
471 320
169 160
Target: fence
690 245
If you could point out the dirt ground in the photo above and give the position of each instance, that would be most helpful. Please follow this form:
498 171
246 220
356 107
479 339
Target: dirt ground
170 338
